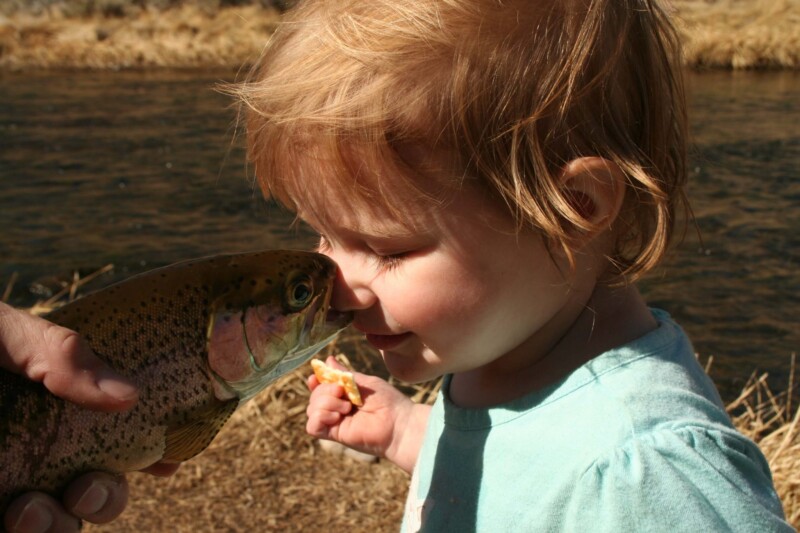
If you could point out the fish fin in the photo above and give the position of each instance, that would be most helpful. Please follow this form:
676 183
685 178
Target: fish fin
187 439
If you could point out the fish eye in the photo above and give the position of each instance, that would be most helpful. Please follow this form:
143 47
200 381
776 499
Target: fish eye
299 292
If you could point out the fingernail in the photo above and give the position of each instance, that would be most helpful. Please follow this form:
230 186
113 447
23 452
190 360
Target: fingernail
35 518
113 386
93 499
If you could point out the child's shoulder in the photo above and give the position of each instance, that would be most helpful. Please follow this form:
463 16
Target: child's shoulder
652 383
658 428
635 440
650 430
702 477
654 373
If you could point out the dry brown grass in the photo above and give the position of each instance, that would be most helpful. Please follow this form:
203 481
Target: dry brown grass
740 33
773 422
716 33
186 36
264 473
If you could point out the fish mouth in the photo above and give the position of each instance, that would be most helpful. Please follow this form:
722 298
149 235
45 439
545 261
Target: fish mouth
319 329
338 319
322 327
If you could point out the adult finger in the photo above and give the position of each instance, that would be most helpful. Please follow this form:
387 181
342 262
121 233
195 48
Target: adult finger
60 359
97 497
162 469
36 512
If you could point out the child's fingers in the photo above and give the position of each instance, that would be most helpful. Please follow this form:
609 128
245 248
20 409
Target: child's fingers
333 363
326 409
319 423
329 397
328 418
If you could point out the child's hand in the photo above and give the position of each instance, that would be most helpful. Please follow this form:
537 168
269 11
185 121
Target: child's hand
64 363
388 425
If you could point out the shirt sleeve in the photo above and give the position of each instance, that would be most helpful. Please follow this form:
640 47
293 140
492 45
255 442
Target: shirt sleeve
686 479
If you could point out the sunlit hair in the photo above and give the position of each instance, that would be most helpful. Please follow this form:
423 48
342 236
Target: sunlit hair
513 89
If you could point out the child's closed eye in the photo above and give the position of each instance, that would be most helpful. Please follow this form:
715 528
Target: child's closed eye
388 262
384 260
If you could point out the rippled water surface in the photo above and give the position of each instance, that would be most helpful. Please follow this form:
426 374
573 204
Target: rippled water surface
138 170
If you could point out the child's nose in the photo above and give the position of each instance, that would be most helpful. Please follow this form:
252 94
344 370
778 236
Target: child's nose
350 291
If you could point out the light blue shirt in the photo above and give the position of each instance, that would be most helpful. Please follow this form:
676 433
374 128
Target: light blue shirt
636 439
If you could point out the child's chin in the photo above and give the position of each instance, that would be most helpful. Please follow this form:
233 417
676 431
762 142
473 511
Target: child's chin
411 369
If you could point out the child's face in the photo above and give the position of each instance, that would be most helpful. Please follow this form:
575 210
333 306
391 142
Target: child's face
449 289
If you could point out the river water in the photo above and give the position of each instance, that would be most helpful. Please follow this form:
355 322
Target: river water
138 169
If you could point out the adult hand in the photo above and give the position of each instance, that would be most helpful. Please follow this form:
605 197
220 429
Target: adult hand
61 360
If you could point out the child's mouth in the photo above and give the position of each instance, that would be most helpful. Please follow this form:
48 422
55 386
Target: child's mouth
387 342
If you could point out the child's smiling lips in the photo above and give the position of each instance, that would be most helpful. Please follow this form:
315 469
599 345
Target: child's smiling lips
381 337
387 342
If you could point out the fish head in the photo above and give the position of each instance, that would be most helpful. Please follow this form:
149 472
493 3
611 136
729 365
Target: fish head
262 326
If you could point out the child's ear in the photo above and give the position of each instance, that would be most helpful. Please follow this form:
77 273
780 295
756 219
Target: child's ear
594 187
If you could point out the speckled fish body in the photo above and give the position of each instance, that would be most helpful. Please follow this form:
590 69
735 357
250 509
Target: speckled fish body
198 338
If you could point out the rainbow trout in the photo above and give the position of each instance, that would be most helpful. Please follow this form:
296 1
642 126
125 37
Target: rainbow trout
198 338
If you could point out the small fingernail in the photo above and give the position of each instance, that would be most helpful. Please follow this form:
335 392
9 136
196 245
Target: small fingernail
34 518
113 386
93 499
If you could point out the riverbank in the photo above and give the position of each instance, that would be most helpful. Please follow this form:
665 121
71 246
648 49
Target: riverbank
187 36
121 34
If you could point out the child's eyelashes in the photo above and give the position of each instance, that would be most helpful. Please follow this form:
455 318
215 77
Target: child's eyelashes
389 262
384 261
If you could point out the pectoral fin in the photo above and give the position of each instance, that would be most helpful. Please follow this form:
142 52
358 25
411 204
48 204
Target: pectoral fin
185 440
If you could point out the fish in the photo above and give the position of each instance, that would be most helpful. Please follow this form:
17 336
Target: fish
199 338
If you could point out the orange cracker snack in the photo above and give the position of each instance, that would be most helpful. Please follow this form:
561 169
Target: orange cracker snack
327 374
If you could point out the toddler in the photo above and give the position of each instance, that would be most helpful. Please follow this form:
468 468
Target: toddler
492 177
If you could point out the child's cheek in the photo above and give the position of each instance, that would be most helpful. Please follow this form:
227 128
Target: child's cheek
436 303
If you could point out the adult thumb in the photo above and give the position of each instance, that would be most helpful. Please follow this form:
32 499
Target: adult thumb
60 359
